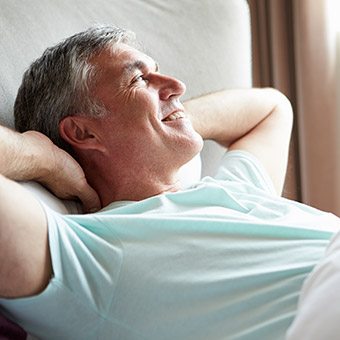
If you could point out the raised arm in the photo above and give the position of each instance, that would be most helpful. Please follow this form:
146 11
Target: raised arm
24 255
255 120
32 156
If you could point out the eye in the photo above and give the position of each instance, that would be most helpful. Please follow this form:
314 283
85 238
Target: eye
140 79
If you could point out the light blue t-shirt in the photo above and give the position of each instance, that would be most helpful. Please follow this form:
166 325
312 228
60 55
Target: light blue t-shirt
223 260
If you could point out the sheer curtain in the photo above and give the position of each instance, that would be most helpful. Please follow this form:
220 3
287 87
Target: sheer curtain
294 50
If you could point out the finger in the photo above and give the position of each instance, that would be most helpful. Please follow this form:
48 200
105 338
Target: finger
90 199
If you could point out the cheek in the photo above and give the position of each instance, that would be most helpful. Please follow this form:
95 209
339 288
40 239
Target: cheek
133 111
144 99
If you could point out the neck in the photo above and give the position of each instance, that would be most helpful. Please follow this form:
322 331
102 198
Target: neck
112 183
132 190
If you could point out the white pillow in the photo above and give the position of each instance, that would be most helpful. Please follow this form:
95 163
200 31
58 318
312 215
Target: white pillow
55 203
319 303
189 174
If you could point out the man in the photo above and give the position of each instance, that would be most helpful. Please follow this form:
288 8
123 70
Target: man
224 259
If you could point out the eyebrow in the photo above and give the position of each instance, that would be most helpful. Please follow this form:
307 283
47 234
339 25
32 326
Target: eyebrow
139 65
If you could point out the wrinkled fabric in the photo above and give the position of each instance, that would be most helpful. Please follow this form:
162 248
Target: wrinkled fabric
225 259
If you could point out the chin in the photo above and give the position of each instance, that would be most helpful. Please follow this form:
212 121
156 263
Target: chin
193 147
198 142
193 138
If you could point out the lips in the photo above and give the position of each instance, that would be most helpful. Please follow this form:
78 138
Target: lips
174 116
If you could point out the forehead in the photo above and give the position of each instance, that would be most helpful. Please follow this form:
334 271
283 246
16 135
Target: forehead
122 60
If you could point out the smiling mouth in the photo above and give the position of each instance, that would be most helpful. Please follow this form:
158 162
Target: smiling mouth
174 116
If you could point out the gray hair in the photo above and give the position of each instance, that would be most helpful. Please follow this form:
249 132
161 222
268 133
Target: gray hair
57 84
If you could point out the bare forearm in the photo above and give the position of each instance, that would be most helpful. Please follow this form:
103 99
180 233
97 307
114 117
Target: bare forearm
33 156
18 160
255 120
228 115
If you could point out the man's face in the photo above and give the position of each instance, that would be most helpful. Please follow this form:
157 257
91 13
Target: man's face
146 122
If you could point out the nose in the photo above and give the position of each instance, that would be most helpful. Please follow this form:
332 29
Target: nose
169 87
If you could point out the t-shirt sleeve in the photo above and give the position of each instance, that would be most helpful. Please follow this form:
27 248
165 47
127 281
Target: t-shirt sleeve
71 298
241 166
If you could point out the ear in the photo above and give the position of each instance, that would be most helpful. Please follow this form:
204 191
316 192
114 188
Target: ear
79 132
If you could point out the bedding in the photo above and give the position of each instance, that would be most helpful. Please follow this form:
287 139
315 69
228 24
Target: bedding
319 304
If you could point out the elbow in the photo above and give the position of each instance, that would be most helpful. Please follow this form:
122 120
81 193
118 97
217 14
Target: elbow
282 110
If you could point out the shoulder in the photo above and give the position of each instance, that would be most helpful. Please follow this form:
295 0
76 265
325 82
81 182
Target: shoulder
243 167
